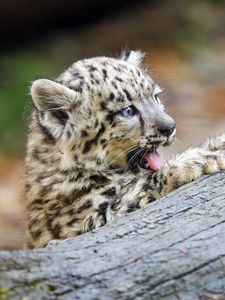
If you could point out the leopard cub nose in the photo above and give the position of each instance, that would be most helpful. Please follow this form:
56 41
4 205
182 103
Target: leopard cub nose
166 127
166 130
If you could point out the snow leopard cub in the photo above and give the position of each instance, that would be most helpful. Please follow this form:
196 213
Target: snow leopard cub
92 148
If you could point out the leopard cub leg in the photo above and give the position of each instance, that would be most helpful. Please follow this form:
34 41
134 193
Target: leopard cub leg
216 158
195 162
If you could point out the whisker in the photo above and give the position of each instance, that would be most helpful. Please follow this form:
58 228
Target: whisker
143 155
178 142
132 159
125 152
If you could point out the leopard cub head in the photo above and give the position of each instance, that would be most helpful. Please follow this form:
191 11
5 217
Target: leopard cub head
103 113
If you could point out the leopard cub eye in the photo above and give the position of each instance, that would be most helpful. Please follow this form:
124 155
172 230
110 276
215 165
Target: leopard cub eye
129 111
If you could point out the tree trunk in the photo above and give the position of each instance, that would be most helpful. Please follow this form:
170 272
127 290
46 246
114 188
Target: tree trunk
172 249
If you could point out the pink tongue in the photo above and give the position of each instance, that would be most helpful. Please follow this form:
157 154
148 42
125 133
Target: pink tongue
154 160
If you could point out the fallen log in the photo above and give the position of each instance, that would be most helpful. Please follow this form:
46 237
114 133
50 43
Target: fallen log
172 249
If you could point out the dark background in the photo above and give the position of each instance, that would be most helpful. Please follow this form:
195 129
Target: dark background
184 42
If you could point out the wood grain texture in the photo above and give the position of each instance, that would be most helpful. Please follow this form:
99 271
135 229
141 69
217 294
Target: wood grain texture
172 249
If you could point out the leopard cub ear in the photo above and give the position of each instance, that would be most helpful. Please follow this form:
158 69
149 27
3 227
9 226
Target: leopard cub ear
133 57
49 95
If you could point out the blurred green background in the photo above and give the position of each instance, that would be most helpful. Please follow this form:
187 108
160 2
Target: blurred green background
18 69
184 42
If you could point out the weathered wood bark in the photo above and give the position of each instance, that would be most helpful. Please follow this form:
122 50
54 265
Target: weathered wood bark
172 249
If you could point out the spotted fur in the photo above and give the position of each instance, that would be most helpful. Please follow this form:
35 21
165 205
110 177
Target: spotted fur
83 154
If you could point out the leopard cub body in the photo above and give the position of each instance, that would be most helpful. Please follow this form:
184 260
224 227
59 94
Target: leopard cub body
92 148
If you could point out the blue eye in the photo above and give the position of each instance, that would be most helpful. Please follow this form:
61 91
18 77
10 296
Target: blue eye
128 112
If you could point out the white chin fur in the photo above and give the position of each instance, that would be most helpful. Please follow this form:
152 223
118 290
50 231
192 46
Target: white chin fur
172 136
170 139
